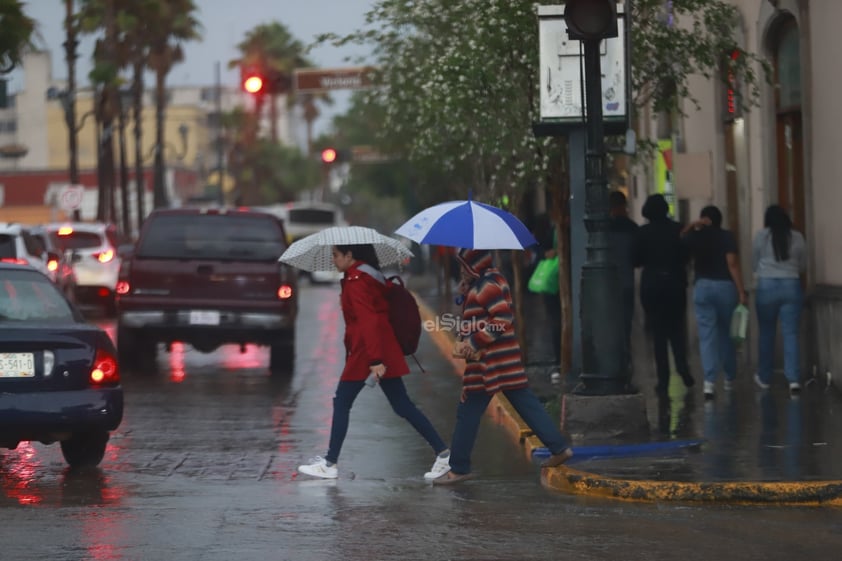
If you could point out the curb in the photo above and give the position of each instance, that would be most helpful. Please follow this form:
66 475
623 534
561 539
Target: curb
568 480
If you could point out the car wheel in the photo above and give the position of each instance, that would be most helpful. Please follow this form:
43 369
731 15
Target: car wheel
135 351
282 353
84 449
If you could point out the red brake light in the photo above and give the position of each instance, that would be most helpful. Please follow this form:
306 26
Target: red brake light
122 287
52 265
105 370
14 261
285 292
65 230
105 256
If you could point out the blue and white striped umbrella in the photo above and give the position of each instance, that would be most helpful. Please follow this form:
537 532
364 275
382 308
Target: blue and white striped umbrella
467 224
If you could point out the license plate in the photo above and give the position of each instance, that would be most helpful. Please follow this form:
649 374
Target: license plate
204 317
17 365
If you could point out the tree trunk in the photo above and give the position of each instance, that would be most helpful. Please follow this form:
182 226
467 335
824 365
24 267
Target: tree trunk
70 101
124 175
139 179
560 213
161 199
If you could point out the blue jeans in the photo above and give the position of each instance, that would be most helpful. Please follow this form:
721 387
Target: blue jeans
784 298
395 391
469 413
714 301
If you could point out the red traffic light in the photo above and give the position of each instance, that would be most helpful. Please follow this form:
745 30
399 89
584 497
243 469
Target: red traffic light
253 84
328 155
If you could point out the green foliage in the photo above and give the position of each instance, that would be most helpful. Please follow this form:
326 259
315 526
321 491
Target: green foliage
16 30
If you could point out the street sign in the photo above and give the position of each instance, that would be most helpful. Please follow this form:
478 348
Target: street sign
70 197
318 80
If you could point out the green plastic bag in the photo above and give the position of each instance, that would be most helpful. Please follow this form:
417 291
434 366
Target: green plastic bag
739 323
545 278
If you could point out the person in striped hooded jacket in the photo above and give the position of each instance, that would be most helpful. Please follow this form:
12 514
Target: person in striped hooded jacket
494 363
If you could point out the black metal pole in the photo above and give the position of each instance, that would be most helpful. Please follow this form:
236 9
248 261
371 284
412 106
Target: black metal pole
604 369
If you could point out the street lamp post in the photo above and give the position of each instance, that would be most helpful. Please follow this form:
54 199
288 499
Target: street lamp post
604 366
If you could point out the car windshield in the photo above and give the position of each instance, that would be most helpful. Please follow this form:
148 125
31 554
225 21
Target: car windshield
218 237
29 296
79 240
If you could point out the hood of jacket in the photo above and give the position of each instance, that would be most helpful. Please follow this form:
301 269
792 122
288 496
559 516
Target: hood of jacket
475 261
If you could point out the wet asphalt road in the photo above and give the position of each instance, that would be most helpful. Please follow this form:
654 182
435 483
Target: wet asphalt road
203 468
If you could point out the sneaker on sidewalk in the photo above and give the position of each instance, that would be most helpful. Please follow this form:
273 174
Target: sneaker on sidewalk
318 468
558 459
760 383
794 388
440 467
709 390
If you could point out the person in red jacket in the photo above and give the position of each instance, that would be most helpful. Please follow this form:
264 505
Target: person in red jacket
371 353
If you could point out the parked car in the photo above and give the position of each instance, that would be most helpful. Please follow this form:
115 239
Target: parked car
207 277
59 266
96 262
17 245
59 376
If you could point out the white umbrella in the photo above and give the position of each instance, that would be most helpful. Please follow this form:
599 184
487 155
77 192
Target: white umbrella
313 253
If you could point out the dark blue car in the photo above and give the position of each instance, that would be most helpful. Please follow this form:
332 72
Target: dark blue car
59 376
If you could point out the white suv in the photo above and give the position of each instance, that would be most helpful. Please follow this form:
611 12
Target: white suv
17 245
93 251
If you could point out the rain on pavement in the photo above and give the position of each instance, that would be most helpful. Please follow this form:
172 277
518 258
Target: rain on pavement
204 467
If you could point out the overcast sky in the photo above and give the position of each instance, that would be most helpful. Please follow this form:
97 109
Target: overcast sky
225 24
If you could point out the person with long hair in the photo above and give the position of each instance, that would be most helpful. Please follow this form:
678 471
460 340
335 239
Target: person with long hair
779 257
372 353
663 289
717 290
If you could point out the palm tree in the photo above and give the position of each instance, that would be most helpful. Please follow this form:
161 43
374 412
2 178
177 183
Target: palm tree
173 23
16 30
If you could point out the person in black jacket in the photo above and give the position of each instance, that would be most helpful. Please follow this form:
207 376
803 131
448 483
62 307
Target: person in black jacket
658 249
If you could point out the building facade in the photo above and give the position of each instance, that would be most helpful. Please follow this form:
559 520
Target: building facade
785 151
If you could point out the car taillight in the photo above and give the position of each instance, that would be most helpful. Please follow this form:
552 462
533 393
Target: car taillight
105 256
14 260
105 370
122 287
52 265
285 292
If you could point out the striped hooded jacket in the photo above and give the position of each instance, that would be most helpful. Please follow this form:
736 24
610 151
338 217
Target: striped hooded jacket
488 326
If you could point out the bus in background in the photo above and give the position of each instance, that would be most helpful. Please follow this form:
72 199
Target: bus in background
302 218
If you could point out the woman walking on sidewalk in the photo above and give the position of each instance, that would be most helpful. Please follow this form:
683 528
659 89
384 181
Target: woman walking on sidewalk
663 289
494 363
779 257
717 291
372 352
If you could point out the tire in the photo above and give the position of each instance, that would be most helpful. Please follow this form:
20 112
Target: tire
85 449
135 351
282 353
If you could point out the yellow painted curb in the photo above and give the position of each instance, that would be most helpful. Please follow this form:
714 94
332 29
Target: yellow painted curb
816 493
565 479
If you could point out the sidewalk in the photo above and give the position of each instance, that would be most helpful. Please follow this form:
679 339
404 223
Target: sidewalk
755 446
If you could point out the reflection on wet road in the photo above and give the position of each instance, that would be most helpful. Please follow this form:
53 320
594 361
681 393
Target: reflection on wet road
203 467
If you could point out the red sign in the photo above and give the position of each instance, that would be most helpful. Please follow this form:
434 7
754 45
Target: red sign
326 79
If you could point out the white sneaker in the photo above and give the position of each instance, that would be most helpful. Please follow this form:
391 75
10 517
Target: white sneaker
760 383
709 389
318 468
440 467
794 388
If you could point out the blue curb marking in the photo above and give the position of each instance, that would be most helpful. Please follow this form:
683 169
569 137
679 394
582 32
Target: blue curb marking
616 450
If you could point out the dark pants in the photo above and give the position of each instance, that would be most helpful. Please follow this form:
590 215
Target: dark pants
666 315
395 391
469 413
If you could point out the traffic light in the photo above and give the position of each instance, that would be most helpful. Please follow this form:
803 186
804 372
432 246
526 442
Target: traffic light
335 156
329 155
252 80
591 19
